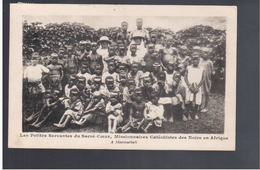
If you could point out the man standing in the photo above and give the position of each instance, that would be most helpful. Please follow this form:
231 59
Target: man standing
139 24
124 35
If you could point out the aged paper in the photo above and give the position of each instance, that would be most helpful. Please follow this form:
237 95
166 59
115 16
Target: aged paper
98 16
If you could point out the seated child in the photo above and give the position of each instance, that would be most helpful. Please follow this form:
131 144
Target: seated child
111 72
109 87
83 72
72 83
94 112
114 110
154 74
34 115
146 89
49 107
194 78
96 84
153 112
135 74
74 109
136 116
145 72
169 76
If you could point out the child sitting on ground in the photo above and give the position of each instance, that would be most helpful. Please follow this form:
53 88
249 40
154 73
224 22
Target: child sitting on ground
153 112
74 109
136 116
72 83
114 110
94 112
48 109
110 72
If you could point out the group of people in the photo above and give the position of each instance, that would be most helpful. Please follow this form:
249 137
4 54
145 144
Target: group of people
131 81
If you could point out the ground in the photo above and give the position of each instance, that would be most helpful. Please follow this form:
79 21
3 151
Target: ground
211 122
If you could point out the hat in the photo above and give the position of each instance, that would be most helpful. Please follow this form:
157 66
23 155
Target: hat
81 79
137 35
143 63
97 94
74 92
82 43
48 91
138 91
131 81
113 93
88 42
196 48
109 78
171 63
104 38
56 92
161 74
154 94
156 64
97 79
205 49
73 77
183 47
54 55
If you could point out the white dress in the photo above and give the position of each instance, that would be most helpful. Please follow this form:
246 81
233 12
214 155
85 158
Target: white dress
194 77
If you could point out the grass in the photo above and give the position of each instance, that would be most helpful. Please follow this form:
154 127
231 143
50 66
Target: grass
211 122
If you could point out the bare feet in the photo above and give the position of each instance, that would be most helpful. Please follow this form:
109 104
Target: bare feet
196 117
184 118
204 110
189 118
171 119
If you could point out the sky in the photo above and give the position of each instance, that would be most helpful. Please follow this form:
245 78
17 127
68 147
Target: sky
174 23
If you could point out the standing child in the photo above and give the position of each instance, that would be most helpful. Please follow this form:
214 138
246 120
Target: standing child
56 73
111 56
133 57
150 58
147 89
114 110
206 86
74 109
169 77
33 81
109 87
153 112
94 58
194 78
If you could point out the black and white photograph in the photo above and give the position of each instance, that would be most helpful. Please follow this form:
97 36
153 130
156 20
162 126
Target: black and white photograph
125 75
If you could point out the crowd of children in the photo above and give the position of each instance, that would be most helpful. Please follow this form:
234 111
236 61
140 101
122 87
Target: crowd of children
129 82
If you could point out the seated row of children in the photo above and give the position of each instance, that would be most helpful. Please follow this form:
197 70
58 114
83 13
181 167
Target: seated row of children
129 97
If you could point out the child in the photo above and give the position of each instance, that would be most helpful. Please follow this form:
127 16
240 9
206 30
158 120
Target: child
194 78
122 58
111 72
206 86
72 83
83 73
103 50
114 110
145 72
146 89
34 115
94 58
154 73
153 112
56 73
98 71
169 76
183 58
135 74
136 112
94 112
123 80
150 58
74 109
133 57
96 84
111 56
109 87
168 53
33 80
48 109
